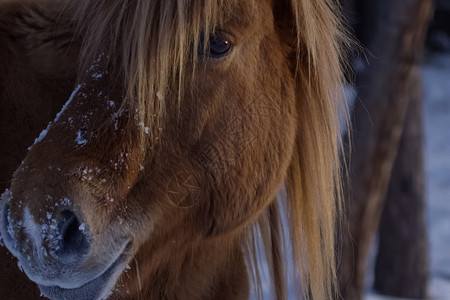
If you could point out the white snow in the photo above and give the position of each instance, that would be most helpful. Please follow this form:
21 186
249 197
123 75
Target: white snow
65 202
82 227
81 138
33 229
437 168
75 91
45 131
6 196
97 75
41 135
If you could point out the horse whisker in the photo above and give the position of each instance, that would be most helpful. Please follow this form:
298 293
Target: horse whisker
138 274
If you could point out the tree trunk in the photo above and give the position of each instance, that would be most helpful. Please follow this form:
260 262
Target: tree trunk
395 51
401 268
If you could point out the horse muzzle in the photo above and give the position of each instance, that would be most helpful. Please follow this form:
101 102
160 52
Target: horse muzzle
59 253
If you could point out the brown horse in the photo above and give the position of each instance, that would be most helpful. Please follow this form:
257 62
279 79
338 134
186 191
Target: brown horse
184 120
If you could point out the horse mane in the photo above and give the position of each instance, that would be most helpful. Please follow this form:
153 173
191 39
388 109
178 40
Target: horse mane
313 185
135 32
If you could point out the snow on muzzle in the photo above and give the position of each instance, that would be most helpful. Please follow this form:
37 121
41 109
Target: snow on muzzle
57 252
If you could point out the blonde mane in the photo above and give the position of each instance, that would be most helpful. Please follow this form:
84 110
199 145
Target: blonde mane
137 31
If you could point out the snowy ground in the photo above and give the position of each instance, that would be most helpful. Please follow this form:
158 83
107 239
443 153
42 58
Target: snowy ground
436 75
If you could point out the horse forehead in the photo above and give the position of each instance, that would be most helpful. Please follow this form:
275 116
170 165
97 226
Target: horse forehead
248 14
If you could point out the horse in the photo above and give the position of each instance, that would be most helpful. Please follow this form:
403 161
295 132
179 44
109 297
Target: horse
187 133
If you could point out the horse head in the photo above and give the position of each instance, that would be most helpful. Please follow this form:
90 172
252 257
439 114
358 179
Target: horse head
187 119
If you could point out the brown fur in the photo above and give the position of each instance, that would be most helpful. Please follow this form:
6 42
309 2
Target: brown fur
194 150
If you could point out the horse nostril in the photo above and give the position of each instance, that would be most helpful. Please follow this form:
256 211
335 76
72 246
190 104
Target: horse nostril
74 240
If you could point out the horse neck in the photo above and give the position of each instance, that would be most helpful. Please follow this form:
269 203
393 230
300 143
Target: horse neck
214 269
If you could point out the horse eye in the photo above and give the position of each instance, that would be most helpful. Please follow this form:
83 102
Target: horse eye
219 47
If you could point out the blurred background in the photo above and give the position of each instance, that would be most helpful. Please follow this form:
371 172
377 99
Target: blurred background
398 198
397 237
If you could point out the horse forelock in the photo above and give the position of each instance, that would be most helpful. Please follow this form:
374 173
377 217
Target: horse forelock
149 43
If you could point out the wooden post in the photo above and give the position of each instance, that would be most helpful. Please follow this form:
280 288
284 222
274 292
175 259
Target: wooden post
401 268
395 50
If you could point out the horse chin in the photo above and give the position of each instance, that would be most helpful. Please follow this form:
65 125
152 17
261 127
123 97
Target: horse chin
96 289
